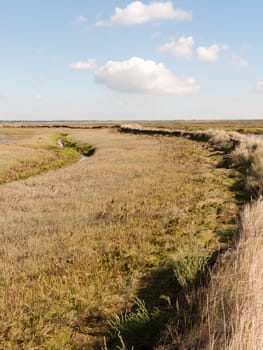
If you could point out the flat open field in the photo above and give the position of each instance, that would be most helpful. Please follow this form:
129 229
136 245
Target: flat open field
243 126
79 243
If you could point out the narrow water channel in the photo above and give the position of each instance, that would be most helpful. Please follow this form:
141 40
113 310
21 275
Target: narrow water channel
60 144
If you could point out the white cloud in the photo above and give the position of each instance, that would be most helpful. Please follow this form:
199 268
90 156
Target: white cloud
224 47
181 48
84 65
37 97
211 53
137 12
238 61
80 19
139 75
259 86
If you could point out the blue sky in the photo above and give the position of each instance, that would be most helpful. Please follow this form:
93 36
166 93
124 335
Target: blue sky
181 59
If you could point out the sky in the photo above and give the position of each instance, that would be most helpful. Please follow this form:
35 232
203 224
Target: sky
131 60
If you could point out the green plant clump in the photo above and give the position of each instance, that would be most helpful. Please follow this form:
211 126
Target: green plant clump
140 325
83 148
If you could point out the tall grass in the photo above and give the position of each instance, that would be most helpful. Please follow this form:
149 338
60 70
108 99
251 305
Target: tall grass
233 313
235 297
248 158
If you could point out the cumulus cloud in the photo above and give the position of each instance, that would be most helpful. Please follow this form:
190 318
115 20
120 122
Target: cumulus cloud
137 12
139 75
238 61
84 65
181 48
259 86
211 53
208 53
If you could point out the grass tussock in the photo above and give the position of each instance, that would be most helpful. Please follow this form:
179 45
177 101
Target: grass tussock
248 158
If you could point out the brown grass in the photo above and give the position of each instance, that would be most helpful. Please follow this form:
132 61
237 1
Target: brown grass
76 243
236 289
248 158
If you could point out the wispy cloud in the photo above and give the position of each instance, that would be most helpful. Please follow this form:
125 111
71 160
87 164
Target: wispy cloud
210 53
80 19
84 65
238 61
259 86
37 97
139 75
137 13
181 48
40 51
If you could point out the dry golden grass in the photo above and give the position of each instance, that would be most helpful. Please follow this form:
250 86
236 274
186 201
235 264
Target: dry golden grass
236 289
232 310
76 242
248 157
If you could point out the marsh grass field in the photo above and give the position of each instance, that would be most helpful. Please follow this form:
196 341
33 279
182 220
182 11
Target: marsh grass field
96 254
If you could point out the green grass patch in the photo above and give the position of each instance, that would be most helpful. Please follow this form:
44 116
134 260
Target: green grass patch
85 149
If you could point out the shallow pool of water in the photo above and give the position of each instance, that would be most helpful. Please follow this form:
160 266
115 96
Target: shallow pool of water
4 139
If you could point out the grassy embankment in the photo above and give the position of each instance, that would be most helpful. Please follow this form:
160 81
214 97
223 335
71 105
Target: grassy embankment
29 153
227 313
141 219
233 309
